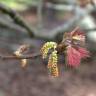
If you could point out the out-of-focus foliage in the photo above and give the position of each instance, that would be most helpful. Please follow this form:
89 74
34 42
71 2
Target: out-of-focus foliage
20 4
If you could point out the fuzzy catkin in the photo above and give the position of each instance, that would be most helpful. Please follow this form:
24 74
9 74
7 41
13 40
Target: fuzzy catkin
52 64
46 47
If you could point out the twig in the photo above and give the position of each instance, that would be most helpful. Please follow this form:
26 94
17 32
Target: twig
35 55
17 19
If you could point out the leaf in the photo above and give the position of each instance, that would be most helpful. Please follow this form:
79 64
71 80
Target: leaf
73 56
84 53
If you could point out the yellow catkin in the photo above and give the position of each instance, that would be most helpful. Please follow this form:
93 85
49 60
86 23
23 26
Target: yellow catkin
52 64
46 47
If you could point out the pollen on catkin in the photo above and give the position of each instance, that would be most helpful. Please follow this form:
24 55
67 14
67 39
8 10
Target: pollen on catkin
46 47
52 64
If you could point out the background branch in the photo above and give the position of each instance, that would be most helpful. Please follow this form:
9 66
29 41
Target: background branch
16 18
33 32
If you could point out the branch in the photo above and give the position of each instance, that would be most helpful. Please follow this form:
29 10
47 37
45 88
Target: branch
16 18
34 32
35 55
59 48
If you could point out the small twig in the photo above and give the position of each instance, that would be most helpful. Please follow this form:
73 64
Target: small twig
17 19
35 55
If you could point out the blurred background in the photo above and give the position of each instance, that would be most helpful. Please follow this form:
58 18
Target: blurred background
48 19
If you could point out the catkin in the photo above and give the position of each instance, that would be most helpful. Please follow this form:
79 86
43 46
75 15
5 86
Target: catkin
46 47
52 64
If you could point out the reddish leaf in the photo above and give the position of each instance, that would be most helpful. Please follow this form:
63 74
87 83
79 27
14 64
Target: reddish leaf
84 53
73 56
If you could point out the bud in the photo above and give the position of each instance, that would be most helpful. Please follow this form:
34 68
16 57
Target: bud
19 53
23 62
77 34
22 48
